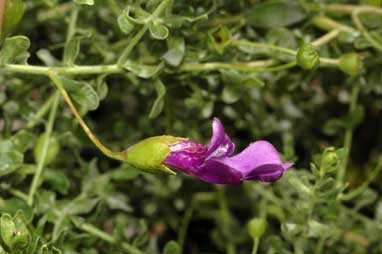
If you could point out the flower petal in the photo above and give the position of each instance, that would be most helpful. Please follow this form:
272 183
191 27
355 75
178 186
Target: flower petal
266 173
187 156
220 144
259 161
215 171
255 155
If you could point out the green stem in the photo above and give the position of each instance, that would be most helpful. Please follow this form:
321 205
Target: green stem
320 244
42 111
40 166
227 20
184 226
255 247
56 11
326 38
72 23
105 150
365 33
89 228
244 67
342 8
114 7
329 61
69 70
19 194
263 45
348 135
329 24
225 217
137 37
319 42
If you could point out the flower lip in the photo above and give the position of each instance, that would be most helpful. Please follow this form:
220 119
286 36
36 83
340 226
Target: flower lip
259 161
220 144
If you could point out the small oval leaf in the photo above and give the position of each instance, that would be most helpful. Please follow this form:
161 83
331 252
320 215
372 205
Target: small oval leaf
275 14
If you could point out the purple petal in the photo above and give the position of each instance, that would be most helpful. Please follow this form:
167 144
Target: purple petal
220 145
271 177
215 171
187 156
287 165
266 173
259 161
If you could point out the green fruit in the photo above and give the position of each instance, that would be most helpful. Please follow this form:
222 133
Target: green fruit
351 64
53 149
308 57
257 227
13 12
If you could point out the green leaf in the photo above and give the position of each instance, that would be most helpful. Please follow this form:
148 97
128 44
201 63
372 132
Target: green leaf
101 87
275 14
81 92
13 12
233 88
72 49
125 23
58 180
53 149
143 71
333 126
79 205
171 247
176 51
157 107
158 31
87 2
13 205
14 50
354 118
207 109
10 158
118 201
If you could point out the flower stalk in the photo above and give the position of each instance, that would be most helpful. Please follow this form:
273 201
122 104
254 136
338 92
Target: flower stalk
45 147
104 149
348 135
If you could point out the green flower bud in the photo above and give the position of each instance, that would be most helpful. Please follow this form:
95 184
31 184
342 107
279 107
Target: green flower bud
14 232
307 57
21 237
7 229
53 148
218 39
257 227
13 12
149 154
329 160
351 63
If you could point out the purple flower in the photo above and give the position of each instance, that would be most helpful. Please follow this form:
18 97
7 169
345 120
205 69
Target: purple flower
259 161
